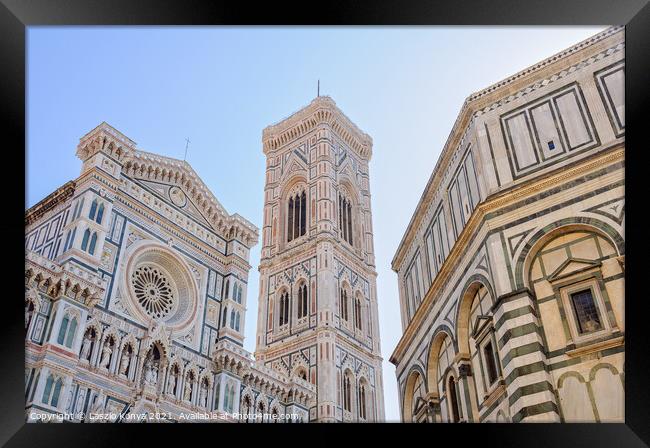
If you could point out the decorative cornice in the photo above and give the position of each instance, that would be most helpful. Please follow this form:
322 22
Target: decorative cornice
322 110
68 280
476 221
522 83
50 202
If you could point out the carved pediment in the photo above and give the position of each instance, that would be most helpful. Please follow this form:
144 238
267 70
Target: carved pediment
572 266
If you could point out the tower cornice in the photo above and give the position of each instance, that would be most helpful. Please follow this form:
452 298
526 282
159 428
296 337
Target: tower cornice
322 110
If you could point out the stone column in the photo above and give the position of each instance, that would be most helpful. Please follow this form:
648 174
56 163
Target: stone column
520 341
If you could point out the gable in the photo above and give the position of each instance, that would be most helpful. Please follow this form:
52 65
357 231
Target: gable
571 266
176 197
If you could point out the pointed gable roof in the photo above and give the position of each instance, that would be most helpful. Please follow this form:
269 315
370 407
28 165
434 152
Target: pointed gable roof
148 166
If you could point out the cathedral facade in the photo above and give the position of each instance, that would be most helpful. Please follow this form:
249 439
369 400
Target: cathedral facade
136 280
318 298
511 271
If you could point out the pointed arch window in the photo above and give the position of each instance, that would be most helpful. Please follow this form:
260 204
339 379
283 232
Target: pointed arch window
225 317
84 241
357 313
72 329
302 301
226 398
347 392
78 211
52 391
217 392
344 304
345 219
284 309
74 212
296 216
67 240
239 289
237 319
232 319
93 243
93 210
63 329
362 401
74 233
100 214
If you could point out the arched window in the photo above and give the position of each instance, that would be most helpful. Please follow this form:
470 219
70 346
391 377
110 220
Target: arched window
232 319
71 333
284 309
231 398
84 241
74 233
74 212
93 210
47 392
345 219
237 321
226 289
67 240
225 317
226 398
302 301
296 216
357 313
239 294
347 392
217 392
52 391
81 206
63 329
362 400
93 242
100 214
344 304
453 400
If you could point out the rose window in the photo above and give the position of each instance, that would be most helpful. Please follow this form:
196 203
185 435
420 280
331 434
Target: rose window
153 290
160 287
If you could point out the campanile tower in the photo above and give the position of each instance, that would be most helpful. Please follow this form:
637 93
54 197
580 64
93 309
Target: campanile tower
318 296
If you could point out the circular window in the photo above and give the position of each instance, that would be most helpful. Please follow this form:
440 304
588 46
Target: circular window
153 289
161 286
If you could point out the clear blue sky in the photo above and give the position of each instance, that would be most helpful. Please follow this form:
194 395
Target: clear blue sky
221 86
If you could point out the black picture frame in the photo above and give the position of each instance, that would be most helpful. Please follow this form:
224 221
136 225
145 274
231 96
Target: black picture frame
16 15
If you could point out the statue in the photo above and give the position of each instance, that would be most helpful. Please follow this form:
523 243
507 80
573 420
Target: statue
150 372
171 383
98 403
85 348
187 393
124 363
28 315
147 371
154 373
68 403
106 355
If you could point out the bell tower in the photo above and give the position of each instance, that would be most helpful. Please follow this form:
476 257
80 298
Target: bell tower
318 298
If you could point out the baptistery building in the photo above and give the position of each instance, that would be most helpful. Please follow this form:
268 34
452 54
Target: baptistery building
136 281
511 270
